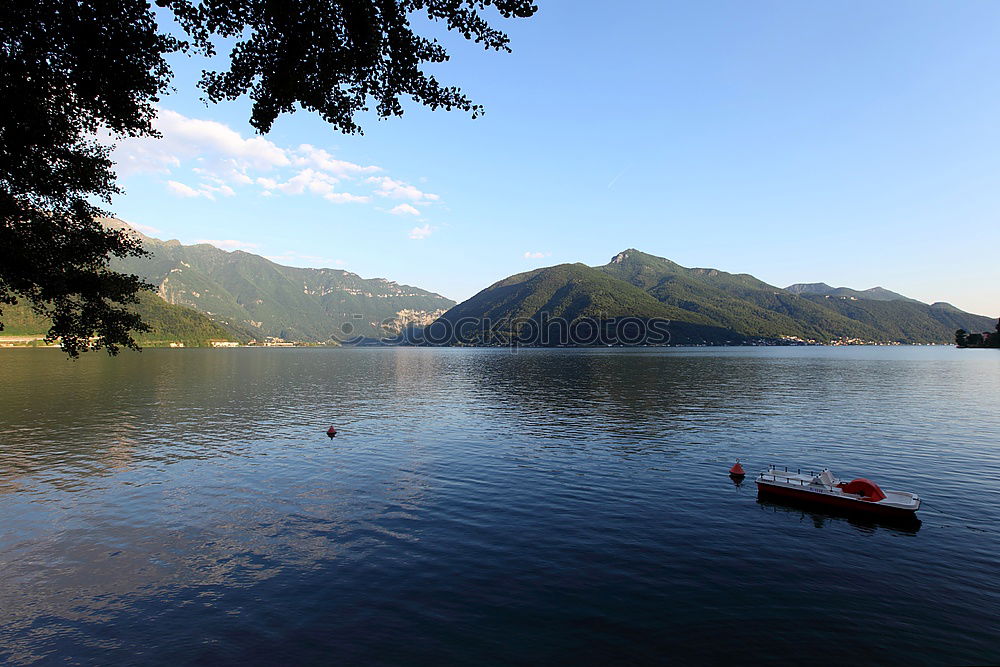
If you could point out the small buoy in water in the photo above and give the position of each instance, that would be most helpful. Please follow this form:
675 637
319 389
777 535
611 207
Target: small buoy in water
331 431
735 471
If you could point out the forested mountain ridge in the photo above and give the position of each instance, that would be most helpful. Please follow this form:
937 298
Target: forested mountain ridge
725 306
735 301
822 289
818 312
259 298
571 294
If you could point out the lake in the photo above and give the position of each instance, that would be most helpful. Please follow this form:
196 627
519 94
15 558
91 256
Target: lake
493 506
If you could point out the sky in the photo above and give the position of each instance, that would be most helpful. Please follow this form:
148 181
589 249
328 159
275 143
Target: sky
849 142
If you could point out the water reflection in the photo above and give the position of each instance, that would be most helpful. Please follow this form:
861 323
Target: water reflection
187 506
822 517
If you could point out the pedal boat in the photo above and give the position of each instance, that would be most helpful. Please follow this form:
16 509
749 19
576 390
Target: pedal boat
860 495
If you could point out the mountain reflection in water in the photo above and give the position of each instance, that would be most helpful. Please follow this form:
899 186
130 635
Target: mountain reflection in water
491 506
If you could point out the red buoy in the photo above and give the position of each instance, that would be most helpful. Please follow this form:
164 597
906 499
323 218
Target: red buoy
737 470
331 431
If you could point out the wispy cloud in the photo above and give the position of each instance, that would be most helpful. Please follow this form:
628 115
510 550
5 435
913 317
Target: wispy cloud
207 159
319 158
614 180
206 190
388 187
536 255
222 150
420 233
148 230
315 182
346 198
182 190
404 209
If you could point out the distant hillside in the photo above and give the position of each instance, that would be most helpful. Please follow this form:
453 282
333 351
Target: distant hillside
259 298
817 311
709 305
822 289
572 293
907 320
734 301
170 324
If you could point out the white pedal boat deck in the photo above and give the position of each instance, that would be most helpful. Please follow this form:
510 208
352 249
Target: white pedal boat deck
860 494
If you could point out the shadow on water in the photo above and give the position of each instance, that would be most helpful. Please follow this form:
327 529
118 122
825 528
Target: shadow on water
821 517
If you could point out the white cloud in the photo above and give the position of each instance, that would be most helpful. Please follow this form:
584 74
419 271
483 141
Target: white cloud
420 233
224 190
316 182
136 156
210 160
145 229
256 152
203 190
346 198
317 157
182 190
312 182
226 153
388 187
404 209
536 255
231 175
229 244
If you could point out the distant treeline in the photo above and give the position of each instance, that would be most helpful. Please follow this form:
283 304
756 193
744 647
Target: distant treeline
986 339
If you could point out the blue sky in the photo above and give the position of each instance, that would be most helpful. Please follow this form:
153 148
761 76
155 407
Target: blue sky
849 142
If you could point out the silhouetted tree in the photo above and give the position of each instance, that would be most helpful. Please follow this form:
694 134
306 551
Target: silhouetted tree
71 68
961 338
974 340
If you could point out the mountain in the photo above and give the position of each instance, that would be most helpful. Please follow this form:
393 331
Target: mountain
259 298
822 289
577 296
907 320
169 324
817 311
735 301
709 305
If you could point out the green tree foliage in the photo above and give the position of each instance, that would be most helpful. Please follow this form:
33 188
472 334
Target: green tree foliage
333 56
167 323
70 69
985 339
993 340
170 323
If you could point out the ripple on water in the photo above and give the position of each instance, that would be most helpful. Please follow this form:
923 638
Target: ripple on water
490 506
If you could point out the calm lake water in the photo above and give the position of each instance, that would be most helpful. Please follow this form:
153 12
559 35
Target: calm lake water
490 506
